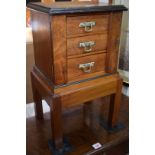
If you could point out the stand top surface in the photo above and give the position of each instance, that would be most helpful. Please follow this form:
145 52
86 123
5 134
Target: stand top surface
74 7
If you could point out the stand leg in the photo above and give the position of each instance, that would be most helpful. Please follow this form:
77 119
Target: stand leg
37 100
87 112
115 102
56 122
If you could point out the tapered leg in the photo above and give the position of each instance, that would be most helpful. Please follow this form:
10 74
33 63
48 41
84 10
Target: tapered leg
115 102
56 122
37 100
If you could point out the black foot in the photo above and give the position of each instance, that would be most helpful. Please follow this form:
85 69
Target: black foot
67 147
117 128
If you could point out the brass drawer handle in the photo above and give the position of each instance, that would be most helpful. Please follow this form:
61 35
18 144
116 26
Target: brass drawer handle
88 26
87 45
86 67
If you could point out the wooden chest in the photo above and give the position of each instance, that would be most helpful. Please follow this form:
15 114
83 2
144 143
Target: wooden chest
76 51
75 41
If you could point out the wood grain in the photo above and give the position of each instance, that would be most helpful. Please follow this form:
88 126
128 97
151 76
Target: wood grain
86 54
42 43
113 41
115 104
37 100
73 44
76 94
112 59
58 27
43 87
56 121
73 28
74 72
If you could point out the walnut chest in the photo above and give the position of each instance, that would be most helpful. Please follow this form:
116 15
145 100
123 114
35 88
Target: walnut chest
76 51
75 41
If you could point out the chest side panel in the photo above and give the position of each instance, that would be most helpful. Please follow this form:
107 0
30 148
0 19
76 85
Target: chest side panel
42 42
115 20
58 27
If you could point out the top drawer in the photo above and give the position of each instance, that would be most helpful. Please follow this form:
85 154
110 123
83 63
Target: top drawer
78 25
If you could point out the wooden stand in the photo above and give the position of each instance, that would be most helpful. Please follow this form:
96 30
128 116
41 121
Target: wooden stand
73 95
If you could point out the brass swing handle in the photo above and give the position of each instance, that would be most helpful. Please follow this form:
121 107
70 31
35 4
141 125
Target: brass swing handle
86 67
87 45
88 26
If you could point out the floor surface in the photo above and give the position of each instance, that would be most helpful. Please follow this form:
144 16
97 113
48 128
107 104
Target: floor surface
82 127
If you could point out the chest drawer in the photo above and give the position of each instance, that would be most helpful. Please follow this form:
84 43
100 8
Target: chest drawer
86 44
86 67
78 25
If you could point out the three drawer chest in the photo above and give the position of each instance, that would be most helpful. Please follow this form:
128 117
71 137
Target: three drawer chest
76 47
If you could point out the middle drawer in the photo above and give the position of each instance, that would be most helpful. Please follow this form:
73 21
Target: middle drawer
86 44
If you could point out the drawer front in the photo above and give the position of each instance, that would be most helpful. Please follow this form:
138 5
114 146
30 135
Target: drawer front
86 44
87 24
85 67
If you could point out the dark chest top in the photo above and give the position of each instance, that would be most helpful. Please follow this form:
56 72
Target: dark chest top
75 7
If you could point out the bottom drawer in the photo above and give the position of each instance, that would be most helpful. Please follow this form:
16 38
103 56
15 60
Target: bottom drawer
86 67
